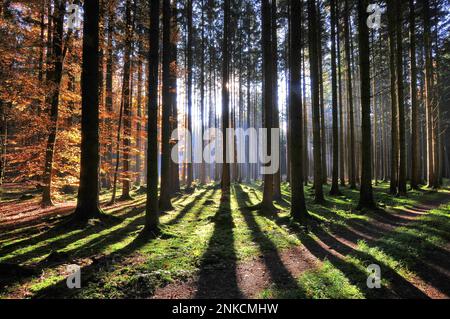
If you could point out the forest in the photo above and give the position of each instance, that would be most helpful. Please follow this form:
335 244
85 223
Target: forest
225 149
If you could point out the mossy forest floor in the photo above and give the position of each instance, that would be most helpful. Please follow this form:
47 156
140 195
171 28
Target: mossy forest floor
208 249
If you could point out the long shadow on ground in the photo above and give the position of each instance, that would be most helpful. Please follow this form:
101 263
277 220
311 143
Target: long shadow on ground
353 230
217 275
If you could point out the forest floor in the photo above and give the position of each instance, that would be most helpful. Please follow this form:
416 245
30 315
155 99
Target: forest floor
209 249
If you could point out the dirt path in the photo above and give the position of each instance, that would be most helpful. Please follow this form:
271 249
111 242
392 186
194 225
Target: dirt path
253 276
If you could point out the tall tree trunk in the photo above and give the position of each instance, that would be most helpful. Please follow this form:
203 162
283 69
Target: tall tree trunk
267 90
341 113
314 71
305 117
126 143
335 180
323 131
139 102
366 194
225 101
174 173
352 156
275 108
42 42
118 153
400 102
109 97
88 192
101 90
152 211
429 101
164 199
394 109
249 76
375 111
202 94
298 206
190 71
55 83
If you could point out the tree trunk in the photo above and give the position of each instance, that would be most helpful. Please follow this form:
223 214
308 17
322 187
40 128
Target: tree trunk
202 95
305 119
394 109
190 173
55 76
400 102
275 108
174 173
152 212
138 168
225 102
352 151
341 113
164 199
126 143
366 194
429 89
314 70
109 97
88 192
298 206
323 141
335 180
352 160
267 90
42 42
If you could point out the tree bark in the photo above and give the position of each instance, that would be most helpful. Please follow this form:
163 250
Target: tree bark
190 173
401 103
225 101
275 107
298 206
126 143
341 113
109 97
139 103
429 105
352 160
152 211
164 199
335 180
267 90
314 70
55 76
366 194
323 140
391 8
174 173
415 144
88 192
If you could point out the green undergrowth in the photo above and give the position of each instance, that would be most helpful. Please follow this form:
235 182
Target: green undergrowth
204 233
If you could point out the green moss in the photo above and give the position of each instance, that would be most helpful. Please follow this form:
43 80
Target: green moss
326 282
200 233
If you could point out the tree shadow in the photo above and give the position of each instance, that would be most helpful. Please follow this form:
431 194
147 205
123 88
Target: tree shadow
405 240
182 213
217 276
399 287
280 275
62 238
91 273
